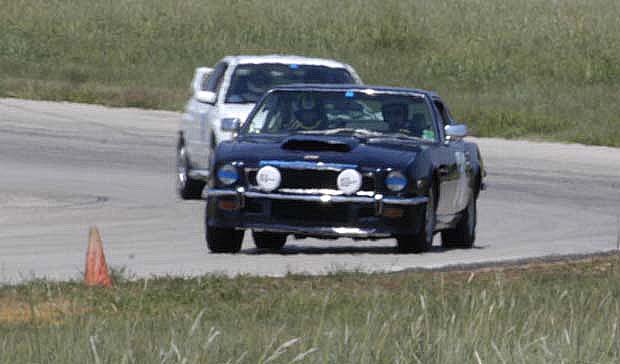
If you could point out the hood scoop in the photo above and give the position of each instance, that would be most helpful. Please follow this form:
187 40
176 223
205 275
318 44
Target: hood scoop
314 144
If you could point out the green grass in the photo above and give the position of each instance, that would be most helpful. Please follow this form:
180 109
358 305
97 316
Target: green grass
524 68
560 313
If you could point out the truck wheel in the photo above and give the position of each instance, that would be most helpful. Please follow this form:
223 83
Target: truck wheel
463 235
269 241
224 240
423 240
188 188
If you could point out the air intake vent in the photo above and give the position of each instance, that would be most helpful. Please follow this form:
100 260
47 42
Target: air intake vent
315 145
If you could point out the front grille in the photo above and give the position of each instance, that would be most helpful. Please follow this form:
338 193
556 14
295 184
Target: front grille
309 179
312 179
368 183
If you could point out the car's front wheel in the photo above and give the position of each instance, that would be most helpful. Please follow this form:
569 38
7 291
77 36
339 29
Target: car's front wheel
269 241
463 235
423 240
224 240
188 188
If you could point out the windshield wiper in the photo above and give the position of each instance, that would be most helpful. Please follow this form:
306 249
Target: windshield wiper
363 132
239 99
398 135
240 102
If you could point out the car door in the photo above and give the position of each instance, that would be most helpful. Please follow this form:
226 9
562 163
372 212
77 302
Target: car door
460 172
449 167
203 115
188 122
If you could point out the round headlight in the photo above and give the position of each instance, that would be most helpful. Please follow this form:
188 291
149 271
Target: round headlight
395 181
268 178
227 175
349 181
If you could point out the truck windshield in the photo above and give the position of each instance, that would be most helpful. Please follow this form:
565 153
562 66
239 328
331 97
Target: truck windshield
250 81
367 113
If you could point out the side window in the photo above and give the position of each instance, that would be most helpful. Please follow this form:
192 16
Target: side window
215 79
258 121
446 119
448 115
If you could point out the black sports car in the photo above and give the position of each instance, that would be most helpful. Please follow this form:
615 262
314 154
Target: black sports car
345 161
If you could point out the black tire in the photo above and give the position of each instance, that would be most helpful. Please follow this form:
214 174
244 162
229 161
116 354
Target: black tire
269 241
224 240
423 240
187 188
463 236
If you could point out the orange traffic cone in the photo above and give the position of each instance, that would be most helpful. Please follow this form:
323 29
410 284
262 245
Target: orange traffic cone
96 273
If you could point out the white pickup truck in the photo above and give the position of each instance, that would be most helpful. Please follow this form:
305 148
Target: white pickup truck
223 97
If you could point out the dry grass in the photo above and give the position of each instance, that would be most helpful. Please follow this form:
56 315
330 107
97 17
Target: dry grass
541 312
14 311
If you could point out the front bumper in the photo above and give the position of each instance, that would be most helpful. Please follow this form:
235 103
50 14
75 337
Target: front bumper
315 214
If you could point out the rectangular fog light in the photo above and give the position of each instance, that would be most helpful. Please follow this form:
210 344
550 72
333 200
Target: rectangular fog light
228 205
393 212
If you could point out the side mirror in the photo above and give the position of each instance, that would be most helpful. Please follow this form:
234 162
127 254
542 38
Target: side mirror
231 124
207 97
456 131
200 74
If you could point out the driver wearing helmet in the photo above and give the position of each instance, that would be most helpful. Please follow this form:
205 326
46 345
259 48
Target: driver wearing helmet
258 83
395 115
308 115
248 86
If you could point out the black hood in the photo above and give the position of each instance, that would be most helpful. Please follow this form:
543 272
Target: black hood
368 153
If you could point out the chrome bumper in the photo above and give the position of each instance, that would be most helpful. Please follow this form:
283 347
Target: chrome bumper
378 199
337 232
201 174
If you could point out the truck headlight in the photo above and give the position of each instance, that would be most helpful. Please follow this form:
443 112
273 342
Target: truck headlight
227 175
395 181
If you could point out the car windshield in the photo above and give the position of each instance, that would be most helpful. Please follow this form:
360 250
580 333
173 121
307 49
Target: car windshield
250 81
361 112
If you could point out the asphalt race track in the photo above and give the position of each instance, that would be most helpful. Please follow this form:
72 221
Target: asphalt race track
65 167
